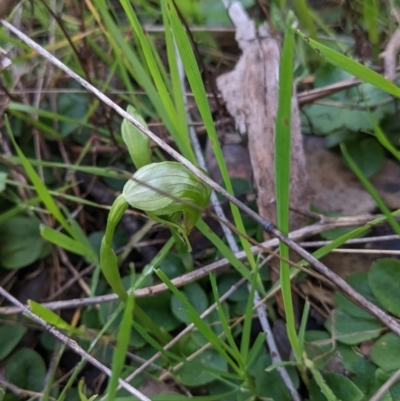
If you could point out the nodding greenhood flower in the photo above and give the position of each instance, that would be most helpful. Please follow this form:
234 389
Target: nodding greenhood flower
170 189
169 194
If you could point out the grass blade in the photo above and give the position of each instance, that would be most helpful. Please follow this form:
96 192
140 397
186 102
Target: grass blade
224 249
371 20
182 139
130 61
256 349
305 17
177 87
384 141
203 328
303 325
282 174
64 241
351 66
40 187
109 268
52 318
199 93
119 355
370 188
225 325
248 320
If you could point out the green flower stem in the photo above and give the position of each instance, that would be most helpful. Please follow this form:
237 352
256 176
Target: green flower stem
117 210
325 389
108 258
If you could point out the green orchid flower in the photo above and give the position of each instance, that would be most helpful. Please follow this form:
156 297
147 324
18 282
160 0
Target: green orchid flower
167 192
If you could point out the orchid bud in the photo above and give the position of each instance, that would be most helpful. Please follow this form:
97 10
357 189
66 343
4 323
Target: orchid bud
136 141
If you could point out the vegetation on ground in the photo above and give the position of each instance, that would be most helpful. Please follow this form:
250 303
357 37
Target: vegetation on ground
134 264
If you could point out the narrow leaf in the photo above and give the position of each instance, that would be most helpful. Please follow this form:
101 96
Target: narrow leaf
39 185
282 173
182 138
227 330
119 356
109 267
198 322
52 318
370 188
64 241
353 67
196 84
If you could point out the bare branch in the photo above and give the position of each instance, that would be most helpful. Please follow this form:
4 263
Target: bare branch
71 344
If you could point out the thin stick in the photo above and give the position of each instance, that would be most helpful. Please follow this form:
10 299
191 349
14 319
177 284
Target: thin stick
266 225
202 271
72 344
365 240
385 387
367 251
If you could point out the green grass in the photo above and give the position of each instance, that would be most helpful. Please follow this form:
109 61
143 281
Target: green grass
233 361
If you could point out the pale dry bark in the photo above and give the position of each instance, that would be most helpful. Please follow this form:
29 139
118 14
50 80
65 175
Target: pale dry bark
250 93
391 55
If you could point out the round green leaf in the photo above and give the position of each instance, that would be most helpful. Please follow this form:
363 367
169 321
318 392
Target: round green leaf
359 281
365 378
367 154
351 330
158 309
386 352
194 373
224 391
48 341
322 119
10 335
21 243
384 280
350 357
74 106
196 297
335 138
105 313
26 369
270 384
172 265
226 281
343 388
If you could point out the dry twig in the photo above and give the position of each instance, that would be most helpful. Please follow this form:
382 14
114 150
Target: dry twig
202 271
71 344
